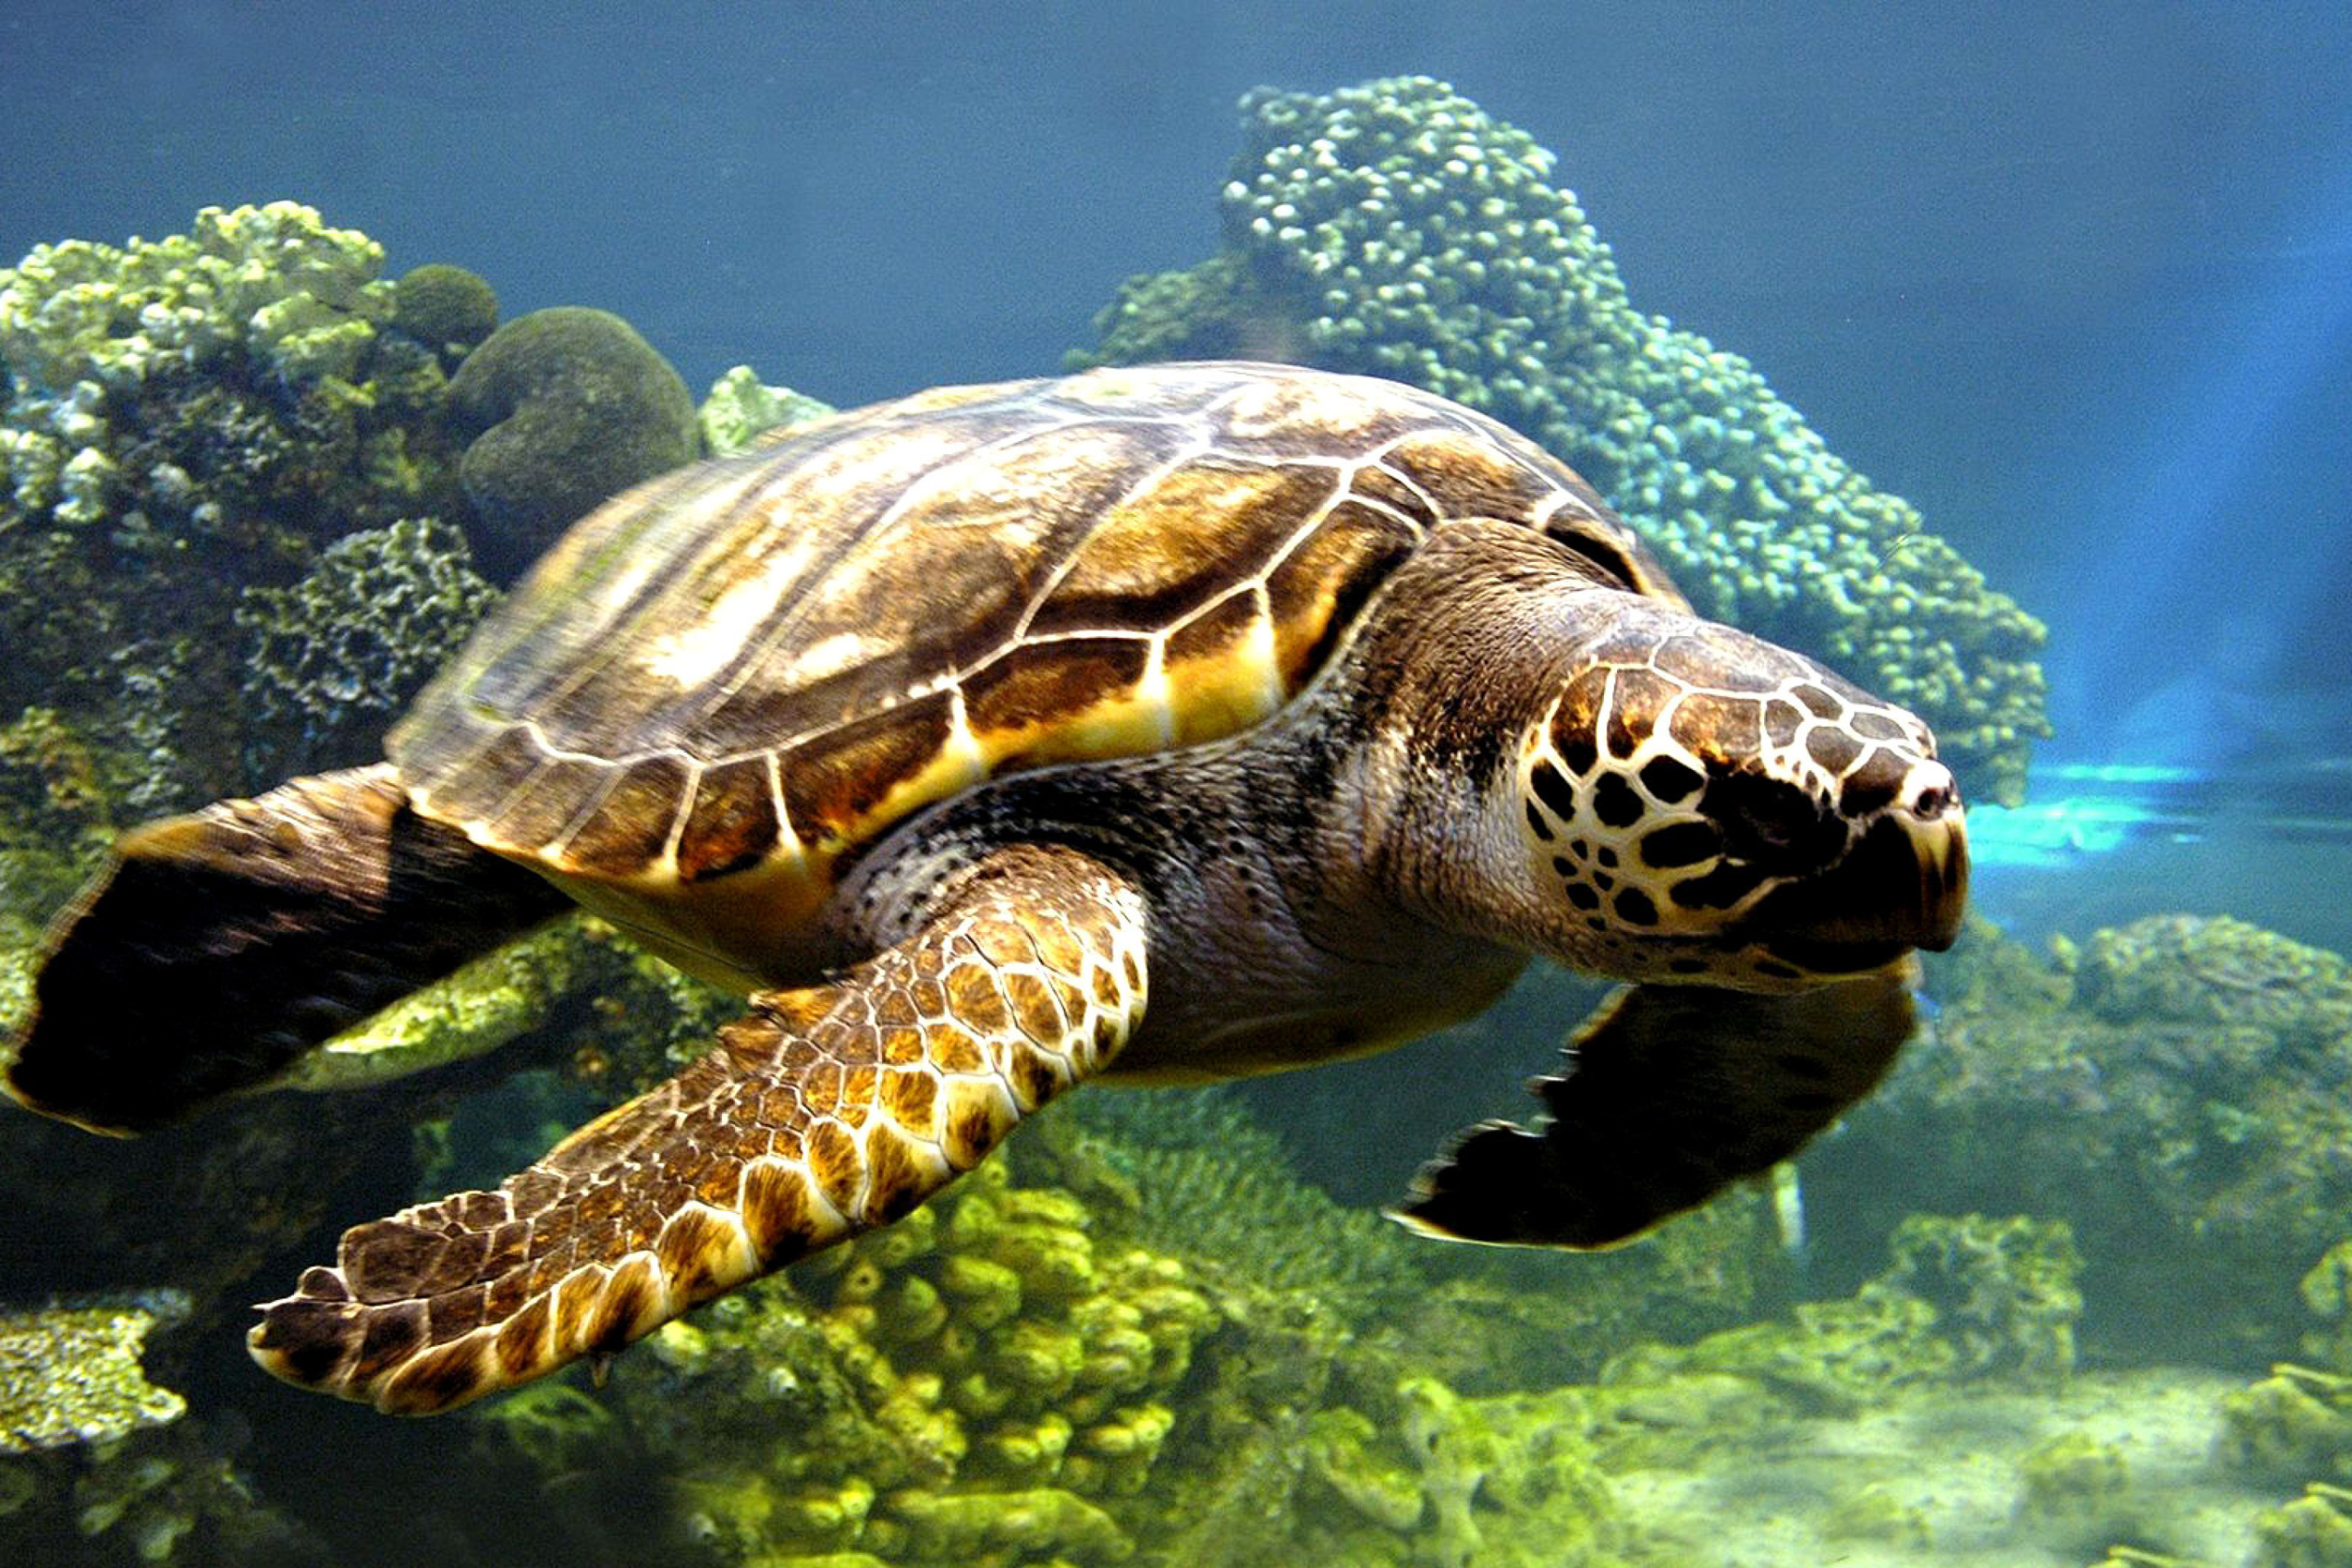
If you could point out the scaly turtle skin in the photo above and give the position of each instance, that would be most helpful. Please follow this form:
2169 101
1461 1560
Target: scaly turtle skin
1161 724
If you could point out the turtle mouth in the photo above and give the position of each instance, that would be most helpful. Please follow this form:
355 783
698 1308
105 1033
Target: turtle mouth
1903 885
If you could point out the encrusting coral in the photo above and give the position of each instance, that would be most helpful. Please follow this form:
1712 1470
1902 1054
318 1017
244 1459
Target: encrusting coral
1397 229
2171 1087
330 661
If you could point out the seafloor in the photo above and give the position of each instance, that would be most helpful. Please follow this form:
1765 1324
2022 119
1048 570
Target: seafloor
2070 1288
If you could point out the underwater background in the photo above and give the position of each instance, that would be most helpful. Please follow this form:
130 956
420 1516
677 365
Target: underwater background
2001 355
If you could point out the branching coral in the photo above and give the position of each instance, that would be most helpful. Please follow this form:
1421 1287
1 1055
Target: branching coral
1396 228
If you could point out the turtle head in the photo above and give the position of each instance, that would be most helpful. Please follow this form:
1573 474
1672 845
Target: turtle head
1697 804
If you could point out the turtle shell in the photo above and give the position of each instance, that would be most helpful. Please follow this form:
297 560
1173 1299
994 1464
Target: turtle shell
756 664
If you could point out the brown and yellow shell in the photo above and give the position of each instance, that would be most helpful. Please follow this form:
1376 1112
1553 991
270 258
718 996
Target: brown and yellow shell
757 663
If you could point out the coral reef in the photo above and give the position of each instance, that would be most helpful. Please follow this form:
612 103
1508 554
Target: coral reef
447 309
1009 1376
976 1383
1397 229
2217 971
185 417
69 1372
562 409
1964 1298
332 659
2171 1089
90 1448
739 410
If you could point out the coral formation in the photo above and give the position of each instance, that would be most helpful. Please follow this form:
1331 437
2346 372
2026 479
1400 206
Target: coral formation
1397 229
2169 1088
562 409
185 417
980 1379
739 410
332 659
1008 1376
2215 971
1964 1298
69 1372
447 309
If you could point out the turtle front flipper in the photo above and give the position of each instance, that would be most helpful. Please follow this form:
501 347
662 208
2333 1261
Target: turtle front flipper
1671 1093
824 1112
217 947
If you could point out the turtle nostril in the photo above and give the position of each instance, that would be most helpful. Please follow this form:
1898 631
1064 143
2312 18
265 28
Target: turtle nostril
1932 794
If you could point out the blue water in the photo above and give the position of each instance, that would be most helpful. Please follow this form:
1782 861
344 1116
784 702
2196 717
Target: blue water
2076 280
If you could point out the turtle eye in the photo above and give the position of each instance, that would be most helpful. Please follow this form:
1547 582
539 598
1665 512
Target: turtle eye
1771 824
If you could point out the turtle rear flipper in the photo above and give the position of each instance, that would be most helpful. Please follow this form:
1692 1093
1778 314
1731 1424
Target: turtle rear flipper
1673 1092
219 946
826 1112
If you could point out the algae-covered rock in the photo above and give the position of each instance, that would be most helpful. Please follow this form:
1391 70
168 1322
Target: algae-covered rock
2313 1531
1964 1299
2159 1088
2004 1291
2076 1486
2215 969
1396 228
564 408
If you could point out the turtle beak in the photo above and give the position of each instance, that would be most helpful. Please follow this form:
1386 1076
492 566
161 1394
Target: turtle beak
1903 884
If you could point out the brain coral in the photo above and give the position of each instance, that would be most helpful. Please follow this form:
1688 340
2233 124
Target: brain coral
1396 230
565 406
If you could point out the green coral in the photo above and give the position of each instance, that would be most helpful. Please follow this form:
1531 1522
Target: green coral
562 408
982 1379
272 280
447 309
186 417
1194 1170
69 1372
1397 229
2171 1089
1504 1481
330 660
739 410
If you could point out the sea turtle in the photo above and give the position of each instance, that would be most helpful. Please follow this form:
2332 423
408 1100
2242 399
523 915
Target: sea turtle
1165 723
